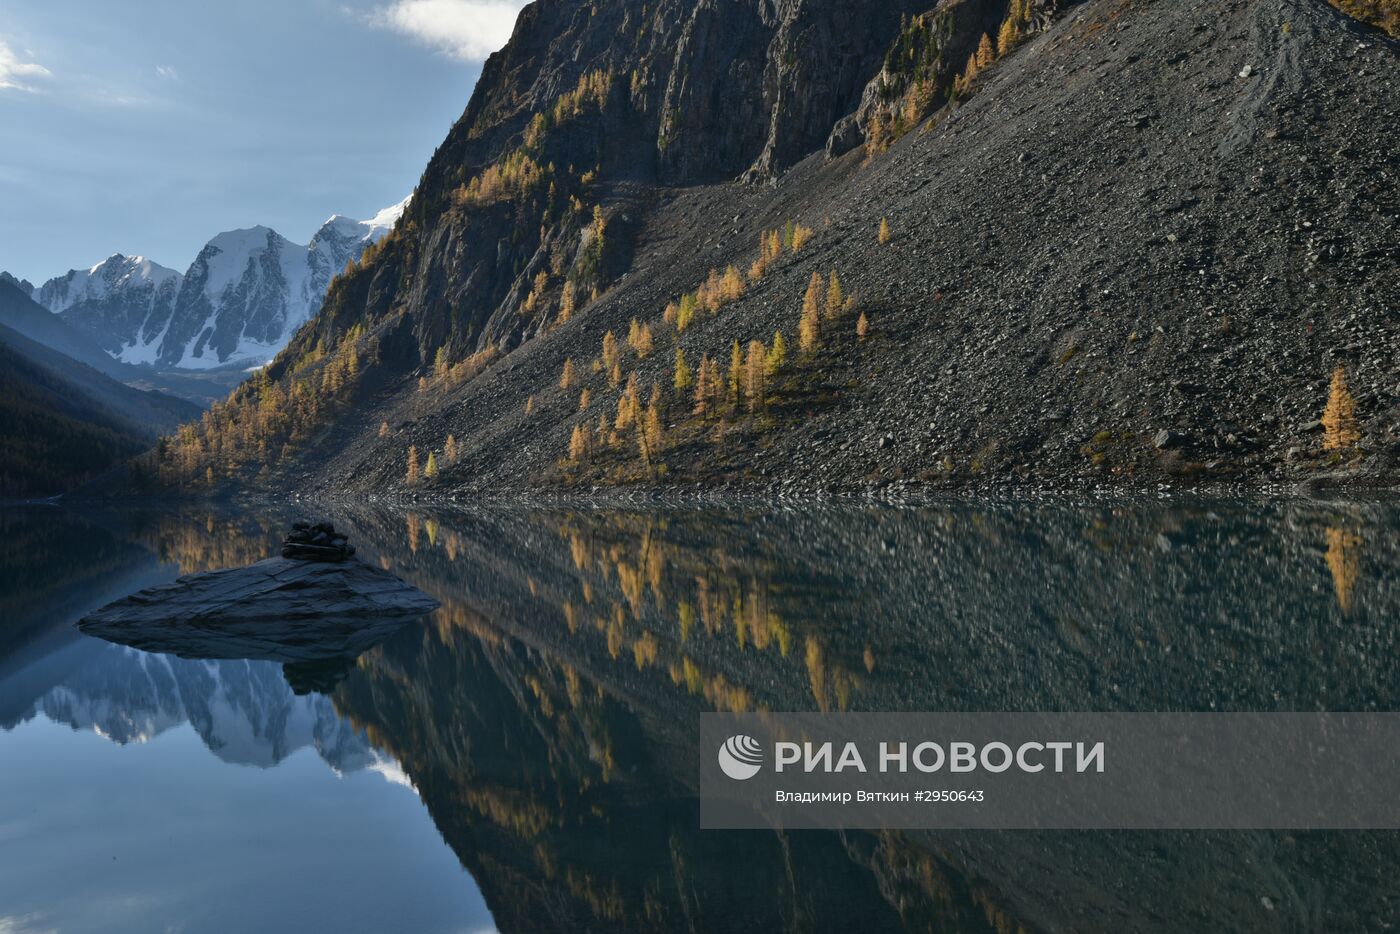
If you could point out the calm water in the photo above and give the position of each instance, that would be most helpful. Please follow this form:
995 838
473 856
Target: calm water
524 759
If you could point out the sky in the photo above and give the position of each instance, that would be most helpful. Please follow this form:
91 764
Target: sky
146 127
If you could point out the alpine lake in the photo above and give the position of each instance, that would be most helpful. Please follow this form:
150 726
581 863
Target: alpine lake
525 758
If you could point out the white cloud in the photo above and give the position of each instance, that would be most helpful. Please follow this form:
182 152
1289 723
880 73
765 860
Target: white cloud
12 70
168 72
466 29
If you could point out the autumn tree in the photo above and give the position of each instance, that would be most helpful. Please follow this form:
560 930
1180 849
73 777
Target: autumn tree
449 450
986 54
578 444
384 429
566 378
703 386
834 296
411 476
430 469
777 354
1340 429
754 373
566 303
682 376
862 326
583 399
809 328
611 357
884 235
629 404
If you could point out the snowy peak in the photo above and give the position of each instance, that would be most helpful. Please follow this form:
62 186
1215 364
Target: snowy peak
117 272
238 304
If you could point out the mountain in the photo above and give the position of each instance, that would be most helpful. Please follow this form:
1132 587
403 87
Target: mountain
236 306
1004 242
119 295
21 314
62 421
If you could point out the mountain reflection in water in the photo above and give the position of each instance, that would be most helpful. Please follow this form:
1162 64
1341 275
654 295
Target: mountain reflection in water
547 714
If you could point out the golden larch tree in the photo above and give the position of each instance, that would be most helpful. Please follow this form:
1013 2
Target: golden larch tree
754 373
411 475
884 234
809 328
835 297
566 378
1339 425
449 450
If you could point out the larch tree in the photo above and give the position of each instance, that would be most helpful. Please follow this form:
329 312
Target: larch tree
834 296
736 371
703 381
884 234
449 450
566 378
1339 426
583 399
411 475
809 328
986 53
681 378
430 469
862 326
777 354
754 373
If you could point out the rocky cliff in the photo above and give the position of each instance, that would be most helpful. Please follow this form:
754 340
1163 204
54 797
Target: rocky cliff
1110 242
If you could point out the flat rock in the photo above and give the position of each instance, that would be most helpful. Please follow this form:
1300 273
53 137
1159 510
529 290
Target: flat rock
275 589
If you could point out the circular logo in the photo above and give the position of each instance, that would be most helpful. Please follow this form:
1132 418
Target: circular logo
741 757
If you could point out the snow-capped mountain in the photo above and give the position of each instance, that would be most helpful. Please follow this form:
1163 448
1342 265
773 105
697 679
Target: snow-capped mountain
243 710
239 303
112 299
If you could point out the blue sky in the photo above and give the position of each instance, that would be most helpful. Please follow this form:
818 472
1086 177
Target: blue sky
146 127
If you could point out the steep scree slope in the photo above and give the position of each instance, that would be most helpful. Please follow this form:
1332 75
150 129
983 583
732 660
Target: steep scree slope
1138 247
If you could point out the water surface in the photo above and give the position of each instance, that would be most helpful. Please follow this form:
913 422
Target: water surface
524 759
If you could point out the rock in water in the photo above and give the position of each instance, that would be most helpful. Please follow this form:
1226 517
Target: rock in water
277 609
273 590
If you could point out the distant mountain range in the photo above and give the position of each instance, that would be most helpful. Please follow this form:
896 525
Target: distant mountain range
237 305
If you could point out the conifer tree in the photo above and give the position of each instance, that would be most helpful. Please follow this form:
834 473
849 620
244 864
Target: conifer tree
754 373
1340 430
834 296
566 379
430 470
884 235
449 450
809 328
566 303
682 376
862 326
583 399
610 354
578 444
645 343
384 429
986 54
411 477
777 354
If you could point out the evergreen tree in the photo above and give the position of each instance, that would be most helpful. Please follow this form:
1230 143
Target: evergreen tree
411 476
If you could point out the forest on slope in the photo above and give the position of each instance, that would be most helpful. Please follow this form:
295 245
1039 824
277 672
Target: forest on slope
808 248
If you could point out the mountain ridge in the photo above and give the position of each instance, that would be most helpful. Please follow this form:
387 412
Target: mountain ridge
1119 243
236 305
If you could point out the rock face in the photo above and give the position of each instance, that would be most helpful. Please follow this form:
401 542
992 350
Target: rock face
319 542
274 591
